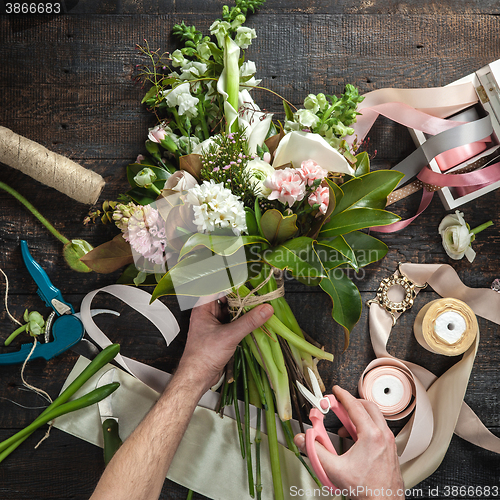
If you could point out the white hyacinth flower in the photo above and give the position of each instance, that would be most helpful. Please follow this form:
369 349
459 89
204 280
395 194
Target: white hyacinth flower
216 207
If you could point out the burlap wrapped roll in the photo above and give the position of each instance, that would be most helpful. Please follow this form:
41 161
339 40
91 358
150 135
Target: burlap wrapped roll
49 168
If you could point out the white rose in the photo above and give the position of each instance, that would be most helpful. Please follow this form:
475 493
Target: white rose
259 171
456 237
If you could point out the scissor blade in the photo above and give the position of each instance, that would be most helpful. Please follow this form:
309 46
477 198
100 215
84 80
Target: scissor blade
313 400
315 384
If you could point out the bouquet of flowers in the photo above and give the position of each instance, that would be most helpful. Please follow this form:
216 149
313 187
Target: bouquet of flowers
226 199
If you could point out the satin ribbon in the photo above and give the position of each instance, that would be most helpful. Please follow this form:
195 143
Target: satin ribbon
439 102
209 458
445 394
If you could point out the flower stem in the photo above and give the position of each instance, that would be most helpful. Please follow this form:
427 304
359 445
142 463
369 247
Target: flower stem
272 436
155 189
480 228
15 333
248 444
258 439
35 212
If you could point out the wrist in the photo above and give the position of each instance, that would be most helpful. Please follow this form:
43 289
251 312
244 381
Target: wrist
195 376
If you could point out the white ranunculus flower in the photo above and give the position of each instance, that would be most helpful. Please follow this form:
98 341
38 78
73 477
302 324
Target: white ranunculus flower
181 181
306 118
244 37
181 96
259 171
456 237
297 147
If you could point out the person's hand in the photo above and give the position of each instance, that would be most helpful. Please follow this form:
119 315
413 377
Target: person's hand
211 343
370 469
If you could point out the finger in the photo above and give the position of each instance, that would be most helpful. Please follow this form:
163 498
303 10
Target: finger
249 322
300 441
343 433
357 412
375 413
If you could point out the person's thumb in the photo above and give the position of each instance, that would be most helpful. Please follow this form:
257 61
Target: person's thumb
249 321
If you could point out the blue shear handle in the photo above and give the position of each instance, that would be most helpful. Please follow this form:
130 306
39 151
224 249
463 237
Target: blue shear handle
46 289
67 331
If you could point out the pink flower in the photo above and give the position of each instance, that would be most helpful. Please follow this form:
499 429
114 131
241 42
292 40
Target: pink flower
287 186
310 171
181 181
157 134
320 197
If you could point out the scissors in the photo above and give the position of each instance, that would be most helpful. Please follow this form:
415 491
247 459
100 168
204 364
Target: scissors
321 405
66 326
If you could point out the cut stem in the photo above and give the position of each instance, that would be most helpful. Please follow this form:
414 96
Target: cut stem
482 227
35 212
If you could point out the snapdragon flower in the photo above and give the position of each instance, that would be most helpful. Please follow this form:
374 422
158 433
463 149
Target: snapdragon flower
220 29
248 69
306 118
244 37
181 96
178 59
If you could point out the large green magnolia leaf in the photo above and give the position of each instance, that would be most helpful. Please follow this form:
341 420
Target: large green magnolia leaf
346 300
203 273
369 190
362 164
334 252
109 256
357 218
221 245
277 227
366 248
298 257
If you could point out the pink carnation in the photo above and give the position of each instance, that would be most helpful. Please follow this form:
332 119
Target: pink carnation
287 186
320 197
310 171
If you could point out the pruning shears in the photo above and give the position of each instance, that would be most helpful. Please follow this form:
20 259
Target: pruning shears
66 326
321 405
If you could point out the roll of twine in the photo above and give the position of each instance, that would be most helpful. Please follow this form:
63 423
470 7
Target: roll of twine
446 326
236 303
49 168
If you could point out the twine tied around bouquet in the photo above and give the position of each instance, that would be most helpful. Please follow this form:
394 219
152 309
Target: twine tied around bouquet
236 303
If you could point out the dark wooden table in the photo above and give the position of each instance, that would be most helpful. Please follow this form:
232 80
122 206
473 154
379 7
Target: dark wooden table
67 82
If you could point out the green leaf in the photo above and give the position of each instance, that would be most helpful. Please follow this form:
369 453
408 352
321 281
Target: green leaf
152 92
277 228
203 273
251 220
299 257
369 190
362 164
346 300
109 256
221 245
258 216
288 111
358 218
141 196
366 248
334 252
128 277
74 253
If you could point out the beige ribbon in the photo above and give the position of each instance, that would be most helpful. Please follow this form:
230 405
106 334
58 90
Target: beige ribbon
446 393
